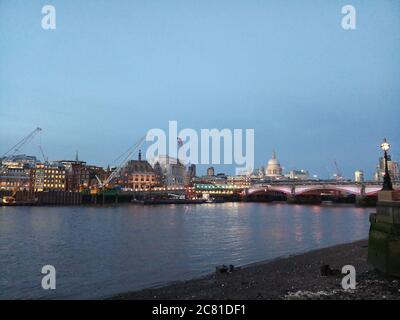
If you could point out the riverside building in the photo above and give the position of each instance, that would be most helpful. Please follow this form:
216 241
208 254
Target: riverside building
48 177
138 175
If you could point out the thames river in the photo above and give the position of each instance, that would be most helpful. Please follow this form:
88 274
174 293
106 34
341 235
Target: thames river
102 251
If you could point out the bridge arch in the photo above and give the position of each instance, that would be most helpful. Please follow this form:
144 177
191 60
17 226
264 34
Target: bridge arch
266 189
354 190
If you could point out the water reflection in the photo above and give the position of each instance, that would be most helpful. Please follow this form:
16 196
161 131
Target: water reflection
101 251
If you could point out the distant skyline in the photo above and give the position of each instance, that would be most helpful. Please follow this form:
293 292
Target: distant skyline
111 71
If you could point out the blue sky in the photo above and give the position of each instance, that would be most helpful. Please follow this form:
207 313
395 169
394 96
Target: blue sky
114 69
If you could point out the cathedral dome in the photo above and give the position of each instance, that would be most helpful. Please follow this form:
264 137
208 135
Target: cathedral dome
273 167
273 162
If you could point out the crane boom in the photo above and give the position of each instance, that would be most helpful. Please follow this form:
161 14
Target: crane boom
338 172
16 148
99 181
43 155
125 158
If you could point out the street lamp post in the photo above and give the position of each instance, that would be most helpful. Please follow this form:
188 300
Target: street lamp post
387 182
384 240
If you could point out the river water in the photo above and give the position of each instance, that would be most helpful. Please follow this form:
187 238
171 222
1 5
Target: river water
102 251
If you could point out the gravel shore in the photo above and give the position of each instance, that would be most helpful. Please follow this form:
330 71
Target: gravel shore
295 277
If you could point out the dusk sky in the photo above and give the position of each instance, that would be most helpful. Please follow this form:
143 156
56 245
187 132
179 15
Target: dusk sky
112 70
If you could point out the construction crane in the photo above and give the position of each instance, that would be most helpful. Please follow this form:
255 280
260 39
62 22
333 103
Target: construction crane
9 200
122 161
45 159
338 174
17 148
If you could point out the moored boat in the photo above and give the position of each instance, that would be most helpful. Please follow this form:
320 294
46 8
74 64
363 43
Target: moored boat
174 201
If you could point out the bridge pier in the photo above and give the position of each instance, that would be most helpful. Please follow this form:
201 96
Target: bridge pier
366 201
291 199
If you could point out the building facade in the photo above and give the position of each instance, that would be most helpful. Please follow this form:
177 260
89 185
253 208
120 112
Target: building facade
299 175
359 176
20 159
159 176
173 171
393 167
14 177
15 172
96 173
137 175
190 174
77 174
48 177
241 181
220 178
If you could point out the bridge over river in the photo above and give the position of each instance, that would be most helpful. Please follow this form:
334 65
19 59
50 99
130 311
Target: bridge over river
295 189
315 191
